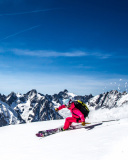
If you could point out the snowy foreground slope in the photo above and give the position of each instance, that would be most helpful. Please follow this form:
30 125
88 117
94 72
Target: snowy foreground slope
108 141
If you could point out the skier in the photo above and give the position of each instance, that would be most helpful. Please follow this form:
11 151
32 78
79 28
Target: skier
77 115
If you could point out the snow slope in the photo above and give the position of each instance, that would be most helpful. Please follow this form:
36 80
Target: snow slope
105 142
108 141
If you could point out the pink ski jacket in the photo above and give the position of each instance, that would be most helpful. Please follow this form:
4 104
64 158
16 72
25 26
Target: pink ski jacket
76 113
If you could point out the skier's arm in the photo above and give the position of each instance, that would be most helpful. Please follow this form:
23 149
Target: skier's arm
59 108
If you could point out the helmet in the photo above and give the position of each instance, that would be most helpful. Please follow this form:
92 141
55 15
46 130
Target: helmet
67 102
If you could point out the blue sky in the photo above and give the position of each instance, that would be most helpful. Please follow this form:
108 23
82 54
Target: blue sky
54 45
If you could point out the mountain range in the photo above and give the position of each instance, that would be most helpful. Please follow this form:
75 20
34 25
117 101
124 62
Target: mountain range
34 106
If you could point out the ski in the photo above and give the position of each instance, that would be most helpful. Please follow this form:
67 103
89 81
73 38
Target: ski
45 133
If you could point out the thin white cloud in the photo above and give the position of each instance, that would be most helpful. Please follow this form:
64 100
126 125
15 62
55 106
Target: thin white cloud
22 31
50 53
35 11
45 53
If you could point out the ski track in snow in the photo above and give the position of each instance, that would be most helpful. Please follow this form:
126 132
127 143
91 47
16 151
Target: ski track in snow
106 142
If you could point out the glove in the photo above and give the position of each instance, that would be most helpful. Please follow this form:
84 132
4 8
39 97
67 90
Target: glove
56 109
83 123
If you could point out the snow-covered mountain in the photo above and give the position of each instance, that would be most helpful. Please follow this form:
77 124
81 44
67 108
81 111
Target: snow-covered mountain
109 105
112 99
7 114
34 106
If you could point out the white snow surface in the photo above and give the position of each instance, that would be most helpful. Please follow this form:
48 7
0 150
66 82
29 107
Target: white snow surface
108 141
72 95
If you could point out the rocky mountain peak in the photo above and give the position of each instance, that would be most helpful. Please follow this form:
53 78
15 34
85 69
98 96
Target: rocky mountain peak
11 98
33 92
3 98
33 106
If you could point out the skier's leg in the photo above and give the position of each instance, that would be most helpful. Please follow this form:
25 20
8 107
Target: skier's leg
68 122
